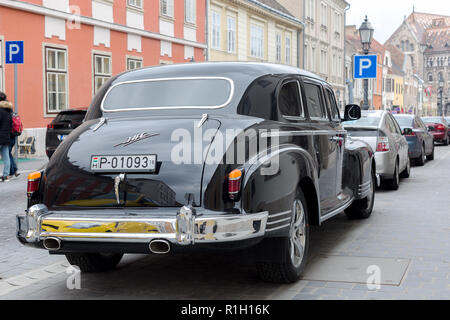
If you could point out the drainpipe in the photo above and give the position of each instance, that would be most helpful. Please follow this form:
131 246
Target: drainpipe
207 29
347 81
304 36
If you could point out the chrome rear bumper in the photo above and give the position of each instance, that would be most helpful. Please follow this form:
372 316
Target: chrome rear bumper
183 228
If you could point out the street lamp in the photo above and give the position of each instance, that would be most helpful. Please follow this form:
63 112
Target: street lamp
440 96
366 35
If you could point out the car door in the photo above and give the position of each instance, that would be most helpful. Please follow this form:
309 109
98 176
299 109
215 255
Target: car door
324 142
340 138
400 141
427 136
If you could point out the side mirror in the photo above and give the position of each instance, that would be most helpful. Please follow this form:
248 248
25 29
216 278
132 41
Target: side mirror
407 131
352 112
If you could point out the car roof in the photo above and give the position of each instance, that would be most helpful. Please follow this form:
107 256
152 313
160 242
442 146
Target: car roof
233 70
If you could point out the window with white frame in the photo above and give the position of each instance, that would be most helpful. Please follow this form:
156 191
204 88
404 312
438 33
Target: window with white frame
167 8
278 46
310 9
134 63
189 11
231 24
56 79
256 41
323 61
102 70
215 29
313 59
337 22
324 14
135 3
287 46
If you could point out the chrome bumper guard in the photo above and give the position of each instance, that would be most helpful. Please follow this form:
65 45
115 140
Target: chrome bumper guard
186 228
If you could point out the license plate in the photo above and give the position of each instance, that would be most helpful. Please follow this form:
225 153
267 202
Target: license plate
137 163
61 137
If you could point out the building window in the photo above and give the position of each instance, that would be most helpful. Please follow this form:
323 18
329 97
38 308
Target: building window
215 22
133 63
231 23
323 61
337 21
256 41
324 14
313 59
56 79
135 3
189 11
102 70
288 50
278 47
167 8
310 9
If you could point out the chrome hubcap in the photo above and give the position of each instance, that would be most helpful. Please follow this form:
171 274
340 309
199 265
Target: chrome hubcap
297 238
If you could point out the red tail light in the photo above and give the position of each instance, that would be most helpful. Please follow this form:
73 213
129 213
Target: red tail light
382 144
411 134
33 183
440 127
50 126
234 184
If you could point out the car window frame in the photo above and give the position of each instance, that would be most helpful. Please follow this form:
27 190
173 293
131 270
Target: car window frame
325 113
302 113
328 90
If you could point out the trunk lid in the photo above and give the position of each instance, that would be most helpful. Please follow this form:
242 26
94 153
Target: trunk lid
367 134
72 183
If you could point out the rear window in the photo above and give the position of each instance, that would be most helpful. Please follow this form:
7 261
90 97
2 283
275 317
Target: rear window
404 121
432 120
70 117
366 120
169 93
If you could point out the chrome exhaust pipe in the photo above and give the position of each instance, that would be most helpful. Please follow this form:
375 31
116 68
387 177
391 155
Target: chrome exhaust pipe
52 244
159 246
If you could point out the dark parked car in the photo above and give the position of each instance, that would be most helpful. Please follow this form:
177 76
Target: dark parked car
420 141
64 123
269 158
439 127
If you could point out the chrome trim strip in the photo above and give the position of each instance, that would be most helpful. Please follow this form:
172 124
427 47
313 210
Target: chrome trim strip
230 81
279 214
278 221
277 228
298 133
337 211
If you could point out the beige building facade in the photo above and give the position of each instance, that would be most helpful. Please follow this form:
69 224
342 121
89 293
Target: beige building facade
250 30
324 44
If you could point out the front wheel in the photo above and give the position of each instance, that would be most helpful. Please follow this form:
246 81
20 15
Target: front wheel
289 265
362 209
94 262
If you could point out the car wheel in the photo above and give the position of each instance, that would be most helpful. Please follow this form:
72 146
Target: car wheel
446 141
94 262
407 172
392 184
420 161
362 209
431 156
289 264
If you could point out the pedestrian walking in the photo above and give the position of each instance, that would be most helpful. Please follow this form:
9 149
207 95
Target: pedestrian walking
6 110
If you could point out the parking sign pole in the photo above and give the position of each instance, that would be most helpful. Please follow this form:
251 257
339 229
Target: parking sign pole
16 109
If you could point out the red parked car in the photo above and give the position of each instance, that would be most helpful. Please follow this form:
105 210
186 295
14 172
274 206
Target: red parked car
439 127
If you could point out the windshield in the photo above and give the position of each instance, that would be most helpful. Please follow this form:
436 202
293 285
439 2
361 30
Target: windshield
404 121
169 94
368 119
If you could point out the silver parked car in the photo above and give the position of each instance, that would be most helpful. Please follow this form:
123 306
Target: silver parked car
381 131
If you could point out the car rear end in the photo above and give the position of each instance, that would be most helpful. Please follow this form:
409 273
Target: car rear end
369 129
437 128
414 142
64 123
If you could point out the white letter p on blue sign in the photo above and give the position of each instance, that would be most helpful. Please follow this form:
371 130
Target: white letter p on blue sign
14 52
365 66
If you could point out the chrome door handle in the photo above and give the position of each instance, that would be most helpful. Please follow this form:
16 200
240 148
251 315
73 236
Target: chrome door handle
336 139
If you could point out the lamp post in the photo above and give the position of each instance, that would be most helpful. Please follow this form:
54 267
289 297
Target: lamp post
366 35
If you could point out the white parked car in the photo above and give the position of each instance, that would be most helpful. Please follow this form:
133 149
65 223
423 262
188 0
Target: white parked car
381 131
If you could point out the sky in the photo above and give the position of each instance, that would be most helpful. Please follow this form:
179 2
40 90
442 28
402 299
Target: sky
387 15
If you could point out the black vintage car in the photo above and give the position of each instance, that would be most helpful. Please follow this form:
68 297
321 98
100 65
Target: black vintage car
210 155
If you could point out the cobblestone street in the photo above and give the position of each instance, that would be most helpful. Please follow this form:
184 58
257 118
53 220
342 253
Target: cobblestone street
409 231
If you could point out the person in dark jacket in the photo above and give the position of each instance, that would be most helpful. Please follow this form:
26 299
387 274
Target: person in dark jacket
6 110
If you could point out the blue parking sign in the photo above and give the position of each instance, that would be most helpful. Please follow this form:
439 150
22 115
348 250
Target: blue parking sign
365 66
14 52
